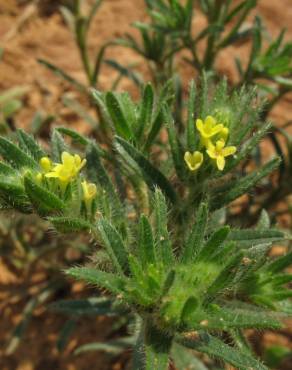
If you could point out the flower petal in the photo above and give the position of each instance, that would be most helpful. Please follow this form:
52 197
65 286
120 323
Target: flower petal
211 152
200 125
220 162
67 159
210 122
216 129
229 150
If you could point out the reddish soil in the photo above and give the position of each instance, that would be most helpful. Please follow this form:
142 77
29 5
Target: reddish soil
28 32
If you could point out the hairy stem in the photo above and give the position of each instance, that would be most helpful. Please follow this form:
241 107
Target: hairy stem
156 348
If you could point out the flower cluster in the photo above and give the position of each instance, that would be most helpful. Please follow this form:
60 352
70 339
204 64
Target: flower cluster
213 139
65 172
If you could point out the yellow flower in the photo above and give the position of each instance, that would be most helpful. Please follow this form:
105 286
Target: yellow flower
89 191
68 169
219 152
194 161
46 164
208 129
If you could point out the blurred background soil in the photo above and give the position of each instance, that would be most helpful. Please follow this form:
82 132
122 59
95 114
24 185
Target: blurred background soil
35 29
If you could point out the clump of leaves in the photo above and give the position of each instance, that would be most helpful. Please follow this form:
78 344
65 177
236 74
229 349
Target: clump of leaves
171 261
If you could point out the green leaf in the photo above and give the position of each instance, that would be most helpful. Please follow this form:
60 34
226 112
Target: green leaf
65 333
102 279
44 201
243 185
58 146
15 156
145 114
175 145
146 242
163 244
248 238
155 128
29 144
60 73
245 317
192 137
225 278
113 347
124 71
91 307
69 224
184 359
13 194
96 170
117 115
8 171
115 246
214 347
213 243
152 176
74 135
195 239
248 147
279 264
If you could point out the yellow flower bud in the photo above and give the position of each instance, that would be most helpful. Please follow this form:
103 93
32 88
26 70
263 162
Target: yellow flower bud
46 164
89 190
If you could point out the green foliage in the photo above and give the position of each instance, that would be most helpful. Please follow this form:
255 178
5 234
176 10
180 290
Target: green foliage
195 291
169 259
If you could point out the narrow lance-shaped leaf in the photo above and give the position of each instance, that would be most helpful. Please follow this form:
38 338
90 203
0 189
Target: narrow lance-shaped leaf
115 246
74 135
42 199
214 243
91 306
152 176
225 278
146 242
251 237
69 224
12 195
280 263
175 146
60 73
102 279
29 144
15 156
243 185
98 174
192 137
146 109
248 147
7 171
58 146
116 113
195 240
215 347
163 243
